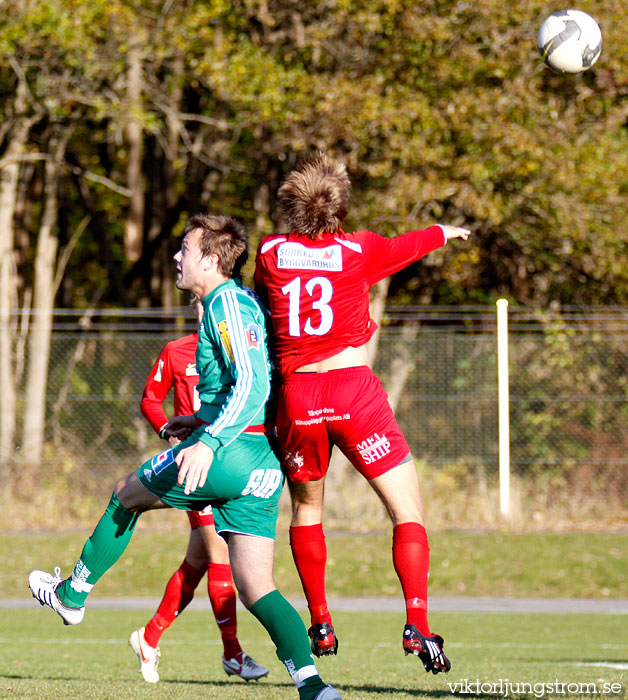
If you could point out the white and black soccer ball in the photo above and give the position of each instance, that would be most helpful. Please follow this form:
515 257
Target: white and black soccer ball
569 41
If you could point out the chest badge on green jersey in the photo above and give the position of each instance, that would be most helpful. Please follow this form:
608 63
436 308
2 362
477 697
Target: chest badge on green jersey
223 331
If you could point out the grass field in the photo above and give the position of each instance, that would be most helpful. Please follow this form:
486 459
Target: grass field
577 565
40 659
498 564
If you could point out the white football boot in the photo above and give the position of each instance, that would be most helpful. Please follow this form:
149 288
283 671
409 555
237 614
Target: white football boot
44 589
248 670
148 656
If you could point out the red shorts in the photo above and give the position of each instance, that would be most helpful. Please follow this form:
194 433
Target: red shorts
344 407
199 518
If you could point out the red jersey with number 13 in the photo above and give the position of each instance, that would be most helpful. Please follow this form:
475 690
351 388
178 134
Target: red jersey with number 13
318 289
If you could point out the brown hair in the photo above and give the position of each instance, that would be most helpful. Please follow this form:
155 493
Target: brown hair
313 198
224 237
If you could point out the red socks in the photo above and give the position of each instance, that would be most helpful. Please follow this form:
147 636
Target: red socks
223 599
310 556
179 592
411 559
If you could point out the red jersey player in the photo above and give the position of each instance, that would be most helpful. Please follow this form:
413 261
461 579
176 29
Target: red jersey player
207 551
316 279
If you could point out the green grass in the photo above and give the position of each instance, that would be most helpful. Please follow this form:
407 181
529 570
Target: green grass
40 659
506 565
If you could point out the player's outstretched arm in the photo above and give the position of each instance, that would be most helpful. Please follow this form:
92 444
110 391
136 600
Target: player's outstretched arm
455 232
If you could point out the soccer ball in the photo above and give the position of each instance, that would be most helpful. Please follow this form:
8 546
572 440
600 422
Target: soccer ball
569 41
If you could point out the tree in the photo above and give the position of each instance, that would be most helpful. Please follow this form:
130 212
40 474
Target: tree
17 131
45 279
442 110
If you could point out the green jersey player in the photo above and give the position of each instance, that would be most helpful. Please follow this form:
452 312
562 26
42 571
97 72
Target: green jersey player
225 459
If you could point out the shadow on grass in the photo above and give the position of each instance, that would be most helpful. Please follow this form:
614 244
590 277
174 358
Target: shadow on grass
343 687
379 689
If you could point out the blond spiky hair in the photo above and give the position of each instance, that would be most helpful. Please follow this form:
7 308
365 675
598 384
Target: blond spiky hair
313 198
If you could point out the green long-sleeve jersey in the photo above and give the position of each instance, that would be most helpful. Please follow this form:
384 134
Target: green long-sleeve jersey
234 364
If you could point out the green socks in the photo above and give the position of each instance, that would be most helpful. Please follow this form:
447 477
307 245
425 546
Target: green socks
101 551
285 627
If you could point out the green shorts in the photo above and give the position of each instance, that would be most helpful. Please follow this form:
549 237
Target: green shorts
243 484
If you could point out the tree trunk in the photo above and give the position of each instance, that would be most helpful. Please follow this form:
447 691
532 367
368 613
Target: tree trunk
402 364
134 225
43 304
9 174
169 295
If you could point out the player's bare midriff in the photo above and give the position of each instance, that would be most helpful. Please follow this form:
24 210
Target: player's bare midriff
349 357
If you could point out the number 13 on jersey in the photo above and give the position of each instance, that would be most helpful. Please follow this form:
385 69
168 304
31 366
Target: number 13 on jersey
319 291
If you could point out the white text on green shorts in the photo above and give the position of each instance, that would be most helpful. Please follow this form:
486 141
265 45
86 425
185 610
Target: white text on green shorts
263 483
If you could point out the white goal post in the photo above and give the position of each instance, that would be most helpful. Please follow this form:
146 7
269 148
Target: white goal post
503 403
